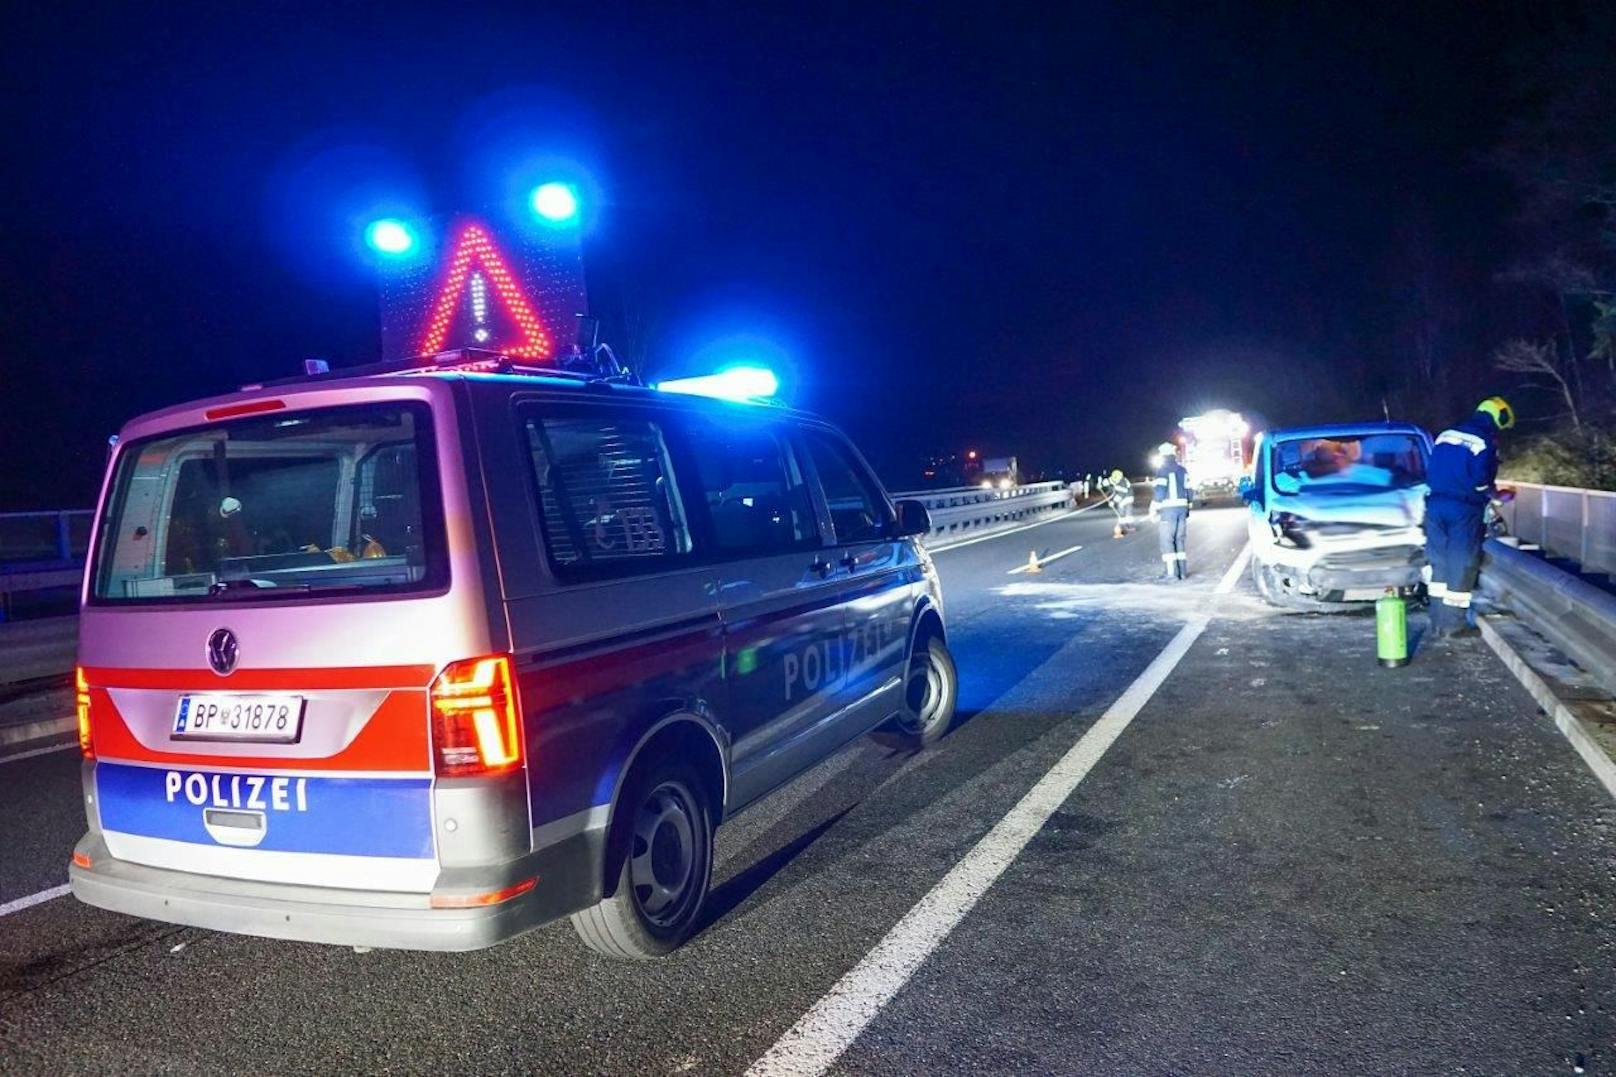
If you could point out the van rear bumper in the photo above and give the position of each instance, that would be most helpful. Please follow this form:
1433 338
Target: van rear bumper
568 876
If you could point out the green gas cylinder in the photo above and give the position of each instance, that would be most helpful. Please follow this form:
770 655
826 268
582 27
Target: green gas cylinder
1391 630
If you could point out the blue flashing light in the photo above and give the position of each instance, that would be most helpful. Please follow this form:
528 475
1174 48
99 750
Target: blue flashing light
389 236
555 202
733 383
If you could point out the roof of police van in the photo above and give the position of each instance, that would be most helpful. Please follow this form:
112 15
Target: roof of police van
1338 430
558 381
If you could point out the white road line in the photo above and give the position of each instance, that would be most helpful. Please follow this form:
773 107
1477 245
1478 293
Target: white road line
1013 531
19 904
817 1040
1042 561
30 753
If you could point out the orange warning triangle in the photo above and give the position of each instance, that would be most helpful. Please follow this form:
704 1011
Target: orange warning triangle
473 246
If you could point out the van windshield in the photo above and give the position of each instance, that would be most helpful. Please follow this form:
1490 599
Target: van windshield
275 507
1349 464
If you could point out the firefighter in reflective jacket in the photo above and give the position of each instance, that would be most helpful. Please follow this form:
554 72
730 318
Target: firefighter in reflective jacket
1170 508
1119 495
1464 464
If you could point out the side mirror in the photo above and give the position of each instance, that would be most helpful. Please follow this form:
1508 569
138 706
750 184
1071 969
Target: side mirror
913 519
1248 490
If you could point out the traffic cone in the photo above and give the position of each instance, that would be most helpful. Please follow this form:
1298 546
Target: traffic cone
1032 562
1116 532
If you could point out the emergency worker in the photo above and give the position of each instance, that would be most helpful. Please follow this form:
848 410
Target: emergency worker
1118 493
1170 508
1464 465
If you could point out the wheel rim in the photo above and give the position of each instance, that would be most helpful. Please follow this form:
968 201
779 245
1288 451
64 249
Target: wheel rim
927 692
664 859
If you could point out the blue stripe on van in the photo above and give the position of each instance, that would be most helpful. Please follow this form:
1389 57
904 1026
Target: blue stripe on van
349 816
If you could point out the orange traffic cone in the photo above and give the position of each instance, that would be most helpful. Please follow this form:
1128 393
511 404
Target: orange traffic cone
1116 532
1032 562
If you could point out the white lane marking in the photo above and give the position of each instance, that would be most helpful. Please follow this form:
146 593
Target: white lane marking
30 753
1042 561
1013 531
830 1026
19 904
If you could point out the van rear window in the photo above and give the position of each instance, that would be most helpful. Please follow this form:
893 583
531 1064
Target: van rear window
279 507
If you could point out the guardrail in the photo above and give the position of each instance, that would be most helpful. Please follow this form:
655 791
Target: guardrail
34 540
41 555
973 509
1576 616
1567 521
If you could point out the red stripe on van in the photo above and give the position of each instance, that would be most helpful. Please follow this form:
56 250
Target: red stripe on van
585 678
264 680
395 738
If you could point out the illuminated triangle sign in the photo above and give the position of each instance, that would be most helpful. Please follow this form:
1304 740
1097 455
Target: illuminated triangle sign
477 271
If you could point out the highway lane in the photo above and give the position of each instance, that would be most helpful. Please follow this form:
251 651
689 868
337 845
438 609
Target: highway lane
1184 910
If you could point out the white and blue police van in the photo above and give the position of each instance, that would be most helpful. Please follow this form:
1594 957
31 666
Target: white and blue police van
427 655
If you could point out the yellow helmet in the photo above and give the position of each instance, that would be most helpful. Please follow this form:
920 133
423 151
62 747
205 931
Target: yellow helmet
1116 474
1496 406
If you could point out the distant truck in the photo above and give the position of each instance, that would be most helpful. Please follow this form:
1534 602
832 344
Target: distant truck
1213 452
999 473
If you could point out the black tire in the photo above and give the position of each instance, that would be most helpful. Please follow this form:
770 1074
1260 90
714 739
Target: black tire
931 691
665 868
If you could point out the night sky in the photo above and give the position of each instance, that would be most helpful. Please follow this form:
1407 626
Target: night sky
1037 230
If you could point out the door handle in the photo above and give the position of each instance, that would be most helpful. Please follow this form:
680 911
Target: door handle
849 562
819 565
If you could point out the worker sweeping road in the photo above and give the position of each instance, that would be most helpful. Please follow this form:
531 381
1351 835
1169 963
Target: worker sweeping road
1170 508
1118 492
1464 465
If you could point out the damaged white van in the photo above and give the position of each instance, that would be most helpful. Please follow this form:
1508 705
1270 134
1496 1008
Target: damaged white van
1337 513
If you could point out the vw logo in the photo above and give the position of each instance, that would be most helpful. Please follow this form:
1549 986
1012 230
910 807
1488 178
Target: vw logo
222 651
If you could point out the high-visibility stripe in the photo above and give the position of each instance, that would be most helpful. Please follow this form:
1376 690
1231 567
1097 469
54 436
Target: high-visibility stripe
1463 438
1436 589
1180 556
1167 557
1457 599
1171 503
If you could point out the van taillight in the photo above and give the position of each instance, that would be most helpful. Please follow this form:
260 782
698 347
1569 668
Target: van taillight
476 718
81 701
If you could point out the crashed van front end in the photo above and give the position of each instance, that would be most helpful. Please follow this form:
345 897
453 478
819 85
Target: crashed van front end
1337 514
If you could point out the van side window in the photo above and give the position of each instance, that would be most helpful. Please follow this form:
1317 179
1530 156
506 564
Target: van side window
606 490
756 497
857 511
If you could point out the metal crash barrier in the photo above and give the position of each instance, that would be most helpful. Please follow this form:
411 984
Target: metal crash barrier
1573 614
40 552
1567 521
962 511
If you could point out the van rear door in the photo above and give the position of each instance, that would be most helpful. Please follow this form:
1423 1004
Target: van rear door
267 607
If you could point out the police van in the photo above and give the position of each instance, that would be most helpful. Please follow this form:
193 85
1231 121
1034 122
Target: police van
427 655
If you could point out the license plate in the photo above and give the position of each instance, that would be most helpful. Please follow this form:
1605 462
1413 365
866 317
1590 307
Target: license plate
266 719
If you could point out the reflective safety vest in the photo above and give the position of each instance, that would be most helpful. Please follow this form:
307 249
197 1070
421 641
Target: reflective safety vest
1171 488
1464 461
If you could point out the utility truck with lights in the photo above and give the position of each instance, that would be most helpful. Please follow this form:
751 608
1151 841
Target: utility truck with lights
426 654
1337 513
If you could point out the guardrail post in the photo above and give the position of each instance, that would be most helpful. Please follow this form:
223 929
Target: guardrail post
64 543
1582 553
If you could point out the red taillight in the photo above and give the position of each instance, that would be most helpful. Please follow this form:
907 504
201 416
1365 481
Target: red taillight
82 859
252 407
476 718
474 901
81 705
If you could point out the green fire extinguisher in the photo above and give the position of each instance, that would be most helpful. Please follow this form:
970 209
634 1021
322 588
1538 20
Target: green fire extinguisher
1391 630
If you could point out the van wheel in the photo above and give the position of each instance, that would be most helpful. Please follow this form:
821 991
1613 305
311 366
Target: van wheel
667 866
931 689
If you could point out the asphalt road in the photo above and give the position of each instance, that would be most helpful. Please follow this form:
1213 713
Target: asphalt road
1289 859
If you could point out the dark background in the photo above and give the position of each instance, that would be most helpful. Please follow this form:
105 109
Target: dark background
1040 230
